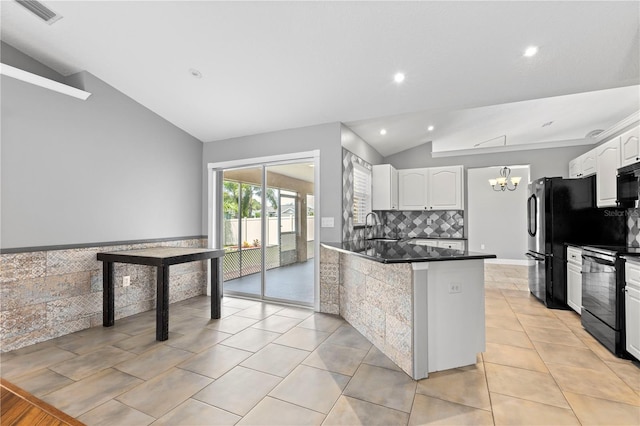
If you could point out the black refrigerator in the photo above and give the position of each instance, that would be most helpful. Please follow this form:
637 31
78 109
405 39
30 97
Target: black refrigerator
563 211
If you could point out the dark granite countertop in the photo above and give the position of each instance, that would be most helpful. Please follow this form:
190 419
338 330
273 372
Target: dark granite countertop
437 238
404 252
573 245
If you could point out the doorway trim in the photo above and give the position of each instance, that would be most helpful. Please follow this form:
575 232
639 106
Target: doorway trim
215 230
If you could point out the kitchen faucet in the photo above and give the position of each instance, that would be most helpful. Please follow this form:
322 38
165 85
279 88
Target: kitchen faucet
366 219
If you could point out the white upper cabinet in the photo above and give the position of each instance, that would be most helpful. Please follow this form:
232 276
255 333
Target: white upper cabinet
588 161
608 163
583 166
444 189
630 147
412 187
575 168
435 188
385 187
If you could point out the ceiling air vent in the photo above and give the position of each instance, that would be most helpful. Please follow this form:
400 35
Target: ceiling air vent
593 133
40 10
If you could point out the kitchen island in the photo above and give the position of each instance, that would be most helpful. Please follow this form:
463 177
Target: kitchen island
422 306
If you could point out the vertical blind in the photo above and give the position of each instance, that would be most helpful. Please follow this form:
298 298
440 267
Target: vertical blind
361 193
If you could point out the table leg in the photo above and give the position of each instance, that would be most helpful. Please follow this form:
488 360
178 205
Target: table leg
108 314
216 290
162 304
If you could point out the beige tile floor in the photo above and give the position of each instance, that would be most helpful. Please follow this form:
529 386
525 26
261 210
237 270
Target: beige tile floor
265 364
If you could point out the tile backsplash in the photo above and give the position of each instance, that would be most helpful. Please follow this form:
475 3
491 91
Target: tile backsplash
428 224
349 232
633 228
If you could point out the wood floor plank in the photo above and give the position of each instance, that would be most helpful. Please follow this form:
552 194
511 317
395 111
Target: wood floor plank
18 407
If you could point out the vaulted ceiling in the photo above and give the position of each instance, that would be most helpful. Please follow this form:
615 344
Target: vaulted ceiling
267 66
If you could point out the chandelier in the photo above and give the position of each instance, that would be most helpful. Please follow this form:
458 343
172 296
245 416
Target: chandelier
502 183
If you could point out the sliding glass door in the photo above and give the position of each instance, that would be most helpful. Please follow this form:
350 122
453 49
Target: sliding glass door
268 231
242 210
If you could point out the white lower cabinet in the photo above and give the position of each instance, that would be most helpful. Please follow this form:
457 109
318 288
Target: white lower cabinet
632 308
574 287
456 245
574 279
442 242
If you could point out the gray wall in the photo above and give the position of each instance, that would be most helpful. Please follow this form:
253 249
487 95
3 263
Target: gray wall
358 146
104 169
543 162
12 56
325 137
496 219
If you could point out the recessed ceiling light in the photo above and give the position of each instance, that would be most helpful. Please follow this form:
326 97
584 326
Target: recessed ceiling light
383 132
195 73
531 51
430 128
399 77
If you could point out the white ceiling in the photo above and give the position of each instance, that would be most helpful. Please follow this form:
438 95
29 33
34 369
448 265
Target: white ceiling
268 66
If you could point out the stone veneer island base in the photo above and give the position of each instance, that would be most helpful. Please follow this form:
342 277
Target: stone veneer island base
425 311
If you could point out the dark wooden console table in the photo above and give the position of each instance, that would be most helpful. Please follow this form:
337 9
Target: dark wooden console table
161 258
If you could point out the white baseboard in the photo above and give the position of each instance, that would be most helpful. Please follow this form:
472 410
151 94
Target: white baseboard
518 262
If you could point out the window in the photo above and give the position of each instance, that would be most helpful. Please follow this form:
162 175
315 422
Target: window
361 193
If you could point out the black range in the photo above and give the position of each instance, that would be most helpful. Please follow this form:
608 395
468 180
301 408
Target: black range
603 294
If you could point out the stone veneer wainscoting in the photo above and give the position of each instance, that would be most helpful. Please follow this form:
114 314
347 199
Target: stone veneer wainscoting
329 281
361 290
369 283
51 293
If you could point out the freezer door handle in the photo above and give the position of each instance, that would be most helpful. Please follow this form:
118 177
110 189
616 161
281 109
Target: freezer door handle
536 258
532 215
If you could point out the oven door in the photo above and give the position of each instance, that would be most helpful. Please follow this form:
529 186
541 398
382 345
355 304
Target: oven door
599 294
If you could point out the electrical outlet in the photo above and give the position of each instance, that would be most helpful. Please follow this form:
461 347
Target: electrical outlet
126 281
327 222
481 246
454 288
